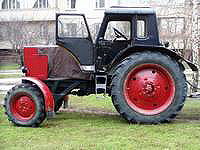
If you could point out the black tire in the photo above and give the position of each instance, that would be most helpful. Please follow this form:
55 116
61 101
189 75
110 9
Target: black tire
24 105
137 110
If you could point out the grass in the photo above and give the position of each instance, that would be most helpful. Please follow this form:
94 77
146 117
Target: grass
3 76
87 103
87 131
9 67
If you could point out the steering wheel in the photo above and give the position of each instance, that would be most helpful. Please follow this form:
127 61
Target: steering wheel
118 34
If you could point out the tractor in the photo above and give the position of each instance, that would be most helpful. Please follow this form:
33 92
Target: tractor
127 62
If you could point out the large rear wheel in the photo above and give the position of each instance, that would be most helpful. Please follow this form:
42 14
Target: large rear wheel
24 105
148 87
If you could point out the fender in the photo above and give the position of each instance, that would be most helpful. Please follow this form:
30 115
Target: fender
48 97
138 48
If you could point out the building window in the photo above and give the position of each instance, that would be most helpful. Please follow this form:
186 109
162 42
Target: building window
10 4
41 4
172 25
71 4
100 3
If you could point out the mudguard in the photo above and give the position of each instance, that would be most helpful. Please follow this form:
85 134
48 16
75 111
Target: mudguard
48 97
138 48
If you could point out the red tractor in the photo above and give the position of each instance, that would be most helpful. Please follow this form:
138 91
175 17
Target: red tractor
127 61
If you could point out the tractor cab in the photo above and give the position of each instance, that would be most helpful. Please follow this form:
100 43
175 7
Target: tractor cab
121 28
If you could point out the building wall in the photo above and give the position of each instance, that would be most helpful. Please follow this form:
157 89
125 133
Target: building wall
41 18
38 16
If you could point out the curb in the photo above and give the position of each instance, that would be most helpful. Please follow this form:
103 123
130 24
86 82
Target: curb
10 71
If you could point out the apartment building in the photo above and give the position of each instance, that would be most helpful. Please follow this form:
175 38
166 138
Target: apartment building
26 22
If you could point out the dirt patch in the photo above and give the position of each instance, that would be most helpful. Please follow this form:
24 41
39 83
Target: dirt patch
181 118
89 111
188 117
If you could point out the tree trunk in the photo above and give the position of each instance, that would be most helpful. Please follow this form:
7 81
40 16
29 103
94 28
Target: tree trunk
195 41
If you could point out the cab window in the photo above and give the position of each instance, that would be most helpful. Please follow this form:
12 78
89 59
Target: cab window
141 28
72 26
118 30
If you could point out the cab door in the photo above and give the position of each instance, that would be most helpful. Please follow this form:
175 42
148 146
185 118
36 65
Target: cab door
72 33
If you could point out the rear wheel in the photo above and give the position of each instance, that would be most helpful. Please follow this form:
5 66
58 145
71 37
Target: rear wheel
148 87
24 105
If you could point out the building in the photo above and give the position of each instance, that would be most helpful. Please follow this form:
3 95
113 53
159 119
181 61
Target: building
26 22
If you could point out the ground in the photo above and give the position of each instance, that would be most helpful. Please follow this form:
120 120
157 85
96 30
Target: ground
94 124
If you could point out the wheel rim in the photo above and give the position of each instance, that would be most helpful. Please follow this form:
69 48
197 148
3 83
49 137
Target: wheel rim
22 107
149 89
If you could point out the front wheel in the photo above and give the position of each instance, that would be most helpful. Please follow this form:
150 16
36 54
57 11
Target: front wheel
24 105
148 87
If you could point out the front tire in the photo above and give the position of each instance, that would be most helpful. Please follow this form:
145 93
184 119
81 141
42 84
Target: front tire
148 87
24 105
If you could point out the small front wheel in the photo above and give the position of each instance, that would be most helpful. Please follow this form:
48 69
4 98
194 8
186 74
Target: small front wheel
24 105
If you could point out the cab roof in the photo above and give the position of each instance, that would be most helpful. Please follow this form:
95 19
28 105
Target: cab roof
129 10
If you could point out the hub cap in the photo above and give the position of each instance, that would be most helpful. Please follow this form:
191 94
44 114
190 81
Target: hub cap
23 107
149 89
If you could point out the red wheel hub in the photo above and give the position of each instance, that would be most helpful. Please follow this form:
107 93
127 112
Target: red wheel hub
149 89
23 107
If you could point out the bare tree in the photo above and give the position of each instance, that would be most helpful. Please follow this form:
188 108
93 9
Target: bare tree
175 25
22 33
195 36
